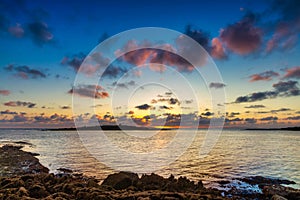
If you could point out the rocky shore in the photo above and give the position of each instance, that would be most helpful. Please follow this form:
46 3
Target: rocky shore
23 177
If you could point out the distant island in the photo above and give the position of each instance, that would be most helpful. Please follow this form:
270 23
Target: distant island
275 129
107 128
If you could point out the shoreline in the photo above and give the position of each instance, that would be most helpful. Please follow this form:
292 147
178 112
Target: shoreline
22 175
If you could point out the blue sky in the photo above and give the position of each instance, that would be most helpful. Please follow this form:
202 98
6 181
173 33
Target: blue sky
255 45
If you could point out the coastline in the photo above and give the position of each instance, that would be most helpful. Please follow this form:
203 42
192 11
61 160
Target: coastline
22 176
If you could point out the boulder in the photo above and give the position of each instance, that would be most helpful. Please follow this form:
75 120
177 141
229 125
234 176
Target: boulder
121 180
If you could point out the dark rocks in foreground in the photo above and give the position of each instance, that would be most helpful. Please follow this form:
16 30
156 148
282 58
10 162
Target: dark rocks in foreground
23 177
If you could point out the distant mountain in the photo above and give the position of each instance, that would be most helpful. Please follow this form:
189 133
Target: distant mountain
106 128
275 129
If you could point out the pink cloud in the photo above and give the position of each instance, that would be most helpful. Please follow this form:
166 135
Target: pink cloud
242 37
293 73
4 92
264 76
218 50
16 31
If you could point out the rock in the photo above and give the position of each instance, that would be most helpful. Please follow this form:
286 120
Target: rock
22 192
121 180
277 197
286 192
38 191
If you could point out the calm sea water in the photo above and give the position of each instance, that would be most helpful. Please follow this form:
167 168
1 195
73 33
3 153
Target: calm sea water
236 154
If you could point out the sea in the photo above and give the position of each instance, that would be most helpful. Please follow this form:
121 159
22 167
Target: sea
235 154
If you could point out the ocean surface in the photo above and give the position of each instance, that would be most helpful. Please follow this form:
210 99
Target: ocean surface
237 153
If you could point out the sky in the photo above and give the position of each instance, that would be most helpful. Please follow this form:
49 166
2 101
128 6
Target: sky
51 58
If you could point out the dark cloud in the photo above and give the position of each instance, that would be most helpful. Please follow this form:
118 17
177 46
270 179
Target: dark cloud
270 118
242 37
286 26
257 96
26 72
264 76
124 85
4 92
294 118
188 101
16 118
173 101
65 107
20 103
216 85
52 118
40 33
288 88
165 107
91 91
143 107
281 110
233 120
74 61
281 89
199 36
250 120
232 114
8 112
255 106
292 73
207 114
114 71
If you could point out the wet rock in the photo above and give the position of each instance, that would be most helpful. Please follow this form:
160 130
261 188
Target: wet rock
286 192
263 181
121 180
277 197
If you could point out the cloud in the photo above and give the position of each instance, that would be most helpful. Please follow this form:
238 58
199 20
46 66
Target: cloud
217 49
250 120
143 107
16 118
52 118
288 88
216 85
294 118
8 112
20 103
124 85
199 36
233 114
207 114
286 26
17 31
165 54
91 91
65 107
281 89
242 37
74 61
40 33
255 106
25 72
4 92
281 110
264 76
292 73
270 118
164 107
233 120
